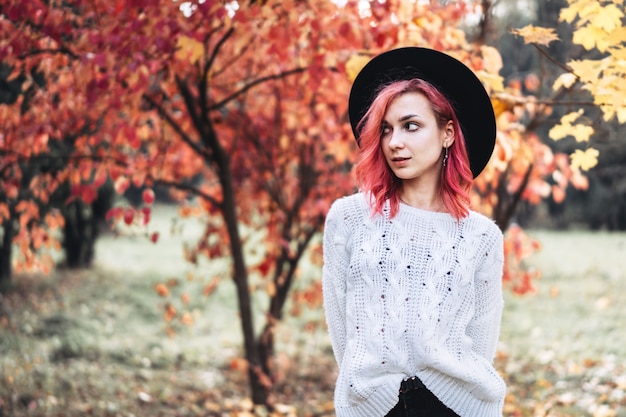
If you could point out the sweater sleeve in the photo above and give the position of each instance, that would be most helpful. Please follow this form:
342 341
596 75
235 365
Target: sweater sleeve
484 328
336 260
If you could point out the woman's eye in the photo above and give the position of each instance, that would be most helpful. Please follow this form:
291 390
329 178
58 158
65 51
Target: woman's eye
411 126
385 130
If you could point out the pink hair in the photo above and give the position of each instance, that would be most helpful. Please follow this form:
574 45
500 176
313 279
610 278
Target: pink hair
374 176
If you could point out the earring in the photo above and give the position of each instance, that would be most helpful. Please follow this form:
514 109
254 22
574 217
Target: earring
445 157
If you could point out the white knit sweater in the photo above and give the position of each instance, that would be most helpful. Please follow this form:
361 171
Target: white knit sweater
419 294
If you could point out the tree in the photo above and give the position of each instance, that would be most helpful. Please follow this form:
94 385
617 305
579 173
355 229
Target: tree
45 117
592 73
240 107
25 183
599 28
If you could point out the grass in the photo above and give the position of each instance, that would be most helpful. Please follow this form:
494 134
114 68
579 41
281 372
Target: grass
580 306
95 342
564 347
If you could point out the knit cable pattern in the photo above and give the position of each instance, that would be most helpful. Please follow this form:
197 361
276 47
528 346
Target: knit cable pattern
419 294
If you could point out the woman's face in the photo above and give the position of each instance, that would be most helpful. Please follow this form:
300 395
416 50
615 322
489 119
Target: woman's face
412 140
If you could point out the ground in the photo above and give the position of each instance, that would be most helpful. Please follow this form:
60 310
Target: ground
96 343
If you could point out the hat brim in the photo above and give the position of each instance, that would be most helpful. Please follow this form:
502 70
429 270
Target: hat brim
453 78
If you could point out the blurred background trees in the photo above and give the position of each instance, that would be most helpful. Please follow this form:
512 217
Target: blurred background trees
237 110
602 205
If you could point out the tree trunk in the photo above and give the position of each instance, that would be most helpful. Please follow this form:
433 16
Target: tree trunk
283 280
80 234
6 251
485 26
266 341
82 226
259 382
507 204
265 347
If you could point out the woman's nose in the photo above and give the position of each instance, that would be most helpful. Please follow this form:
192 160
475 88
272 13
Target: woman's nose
395 140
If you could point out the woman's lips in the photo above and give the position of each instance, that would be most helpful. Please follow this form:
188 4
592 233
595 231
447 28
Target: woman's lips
399 161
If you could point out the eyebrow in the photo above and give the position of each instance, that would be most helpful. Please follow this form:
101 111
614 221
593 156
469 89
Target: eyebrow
407 117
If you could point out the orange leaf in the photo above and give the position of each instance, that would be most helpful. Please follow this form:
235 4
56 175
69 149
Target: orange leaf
532 82
170 312
186 319
211 286
162 290
558 194
4 212
121 184
238 364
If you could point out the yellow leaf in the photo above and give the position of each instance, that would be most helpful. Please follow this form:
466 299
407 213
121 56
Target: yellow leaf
355 64
189 49
607 18
588 70
589 10
559 132
570 118
569 14
565 81
592 37
492 60
581 133
494 82
618 38
499 106
585 160
621 115
538 35
567 128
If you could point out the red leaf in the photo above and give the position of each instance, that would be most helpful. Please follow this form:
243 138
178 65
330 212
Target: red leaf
148 196
100 178
119 7
114 212
129 215
265 266
146 215
86 192
89 193
154 237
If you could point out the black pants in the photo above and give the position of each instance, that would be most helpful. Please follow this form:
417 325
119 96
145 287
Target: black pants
415 400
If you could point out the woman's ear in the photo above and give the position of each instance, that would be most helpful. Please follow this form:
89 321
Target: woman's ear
448 134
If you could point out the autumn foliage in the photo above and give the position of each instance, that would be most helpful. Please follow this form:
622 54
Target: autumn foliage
239 108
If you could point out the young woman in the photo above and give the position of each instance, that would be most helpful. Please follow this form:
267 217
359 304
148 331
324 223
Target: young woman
412 278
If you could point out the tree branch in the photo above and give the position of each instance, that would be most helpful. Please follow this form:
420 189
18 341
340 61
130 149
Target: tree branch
230 62
185 138
62 50
504 212
217 48
76 157
254 83
549 102
203 90
191 189
554 61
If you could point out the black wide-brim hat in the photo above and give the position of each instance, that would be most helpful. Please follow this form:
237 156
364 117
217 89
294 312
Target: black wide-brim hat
450 76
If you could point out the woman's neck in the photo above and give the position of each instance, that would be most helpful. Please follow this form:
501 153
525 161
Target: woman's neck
422 196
